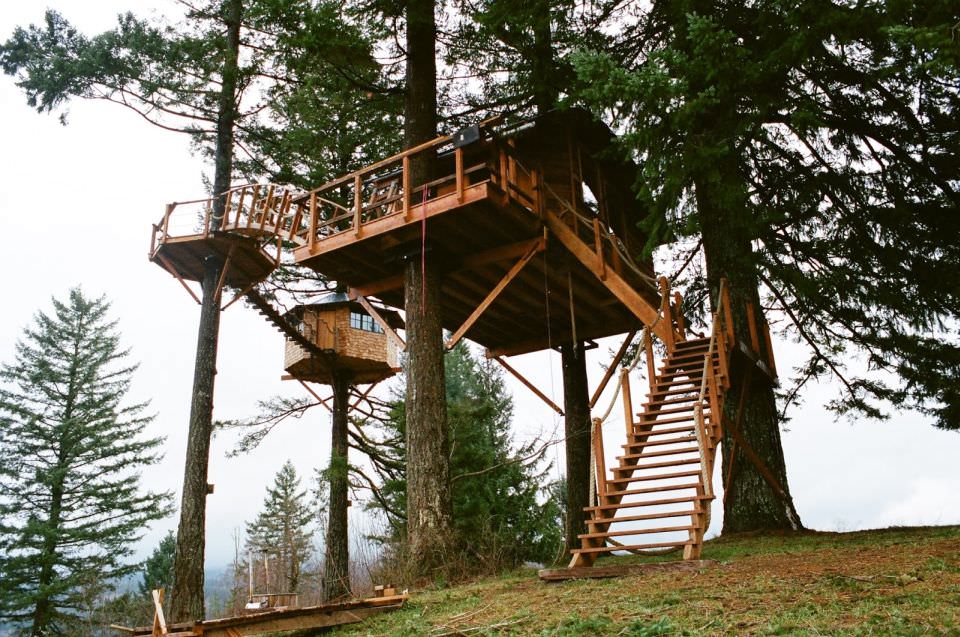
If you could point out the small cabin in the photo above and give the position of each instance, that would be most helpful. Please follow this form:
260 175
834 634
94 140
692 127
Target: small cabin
354 342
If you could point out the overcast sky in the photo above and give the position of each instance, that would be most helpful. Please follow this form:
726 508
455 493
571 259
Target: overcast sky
76 208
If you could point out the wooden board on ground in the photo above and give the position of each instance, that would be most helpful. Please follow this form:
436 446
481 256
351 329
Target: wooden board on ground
279 620
621 570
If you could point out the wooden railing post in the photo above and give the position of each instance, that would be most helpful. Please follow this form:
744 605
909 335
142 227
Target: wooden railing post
236 217
357 205
666 314
651 364
458 160
678 312
206 217
406 188
312 236
598 247
628 414
166 222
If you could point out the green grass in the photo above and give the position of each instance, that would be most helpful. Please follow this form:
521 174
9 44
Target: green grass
899 581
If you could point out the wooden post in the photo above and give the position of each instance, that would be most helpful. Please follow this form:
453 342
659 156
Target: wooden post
769 344
504 178
458 158
153 239
236 217
406 187
159 622
312 236
666 314
206 218
226 208
681 321
166 222
628 414
357 205
651 364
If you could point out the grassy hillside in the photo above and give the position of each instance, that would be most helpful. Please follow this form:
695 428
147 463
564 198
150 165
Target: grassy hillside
900 581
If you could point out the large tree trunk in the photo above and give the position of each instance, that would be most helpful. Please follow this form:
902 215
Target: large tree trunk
429 506
543 63
336 558
751 504
187 600
576 408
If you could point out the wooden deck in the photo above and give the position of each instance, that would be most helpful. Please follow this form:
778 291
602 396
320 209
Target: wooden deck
309 617
479 222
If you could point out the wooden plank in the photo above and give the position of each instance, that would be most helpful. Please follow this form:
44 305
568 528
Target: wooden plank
622 570
406 187
627 401
529 385
159 621
459 176
639 306
613 365
357 206
382 322
173 271
494 293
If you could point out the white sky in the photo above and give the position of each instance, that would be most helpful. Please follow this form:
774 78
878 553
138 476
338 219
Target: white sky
77 204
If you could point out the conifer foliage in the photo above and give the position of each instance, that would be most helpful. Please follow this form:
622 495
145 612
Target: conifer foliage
71 449
281 532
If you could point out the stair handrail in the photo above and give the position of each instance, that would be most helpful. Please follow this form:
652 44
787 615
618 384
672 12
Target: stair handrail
720 318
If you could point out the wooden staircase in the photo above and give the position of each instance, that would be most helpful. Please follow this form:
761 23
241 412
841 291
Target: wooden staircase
658 498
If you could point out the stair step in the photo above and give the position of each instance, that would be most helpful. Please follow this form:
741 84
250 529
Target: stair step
663 489
654 465
662 476
663 421
671 401
632 547
656 454
686 361
693 342
646 516
647 503
696 372
670 441
662 529
668 410
693 389
648 434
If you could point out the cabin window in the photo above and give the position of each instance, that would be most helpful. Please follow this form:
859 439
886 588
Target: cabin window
365 322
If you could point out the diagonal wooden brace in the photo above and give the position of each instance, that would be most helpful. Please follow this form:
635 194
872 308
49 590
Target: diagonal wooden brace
537 247
376 316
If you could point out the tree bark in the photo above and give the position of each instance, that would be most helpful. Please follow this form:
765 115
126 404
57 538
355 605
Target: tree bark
751 504
420 97
336 559
576 408
186 598
429 504
543 63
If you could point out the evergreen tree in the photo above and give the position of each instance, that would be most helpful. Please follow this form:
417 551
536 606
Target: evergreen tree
71 449
498 488
158 568
282 531
811 148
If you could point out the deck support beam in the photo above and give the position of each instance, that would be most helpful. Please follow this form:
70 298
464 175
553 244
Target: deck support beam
539 394
532 251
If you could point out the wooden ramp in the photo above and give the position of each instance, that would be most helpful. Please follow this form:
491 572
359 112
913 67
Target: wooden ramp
270 621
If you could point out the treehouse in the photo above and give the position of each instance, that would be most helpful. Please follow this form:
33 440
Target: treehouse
346 340
535 230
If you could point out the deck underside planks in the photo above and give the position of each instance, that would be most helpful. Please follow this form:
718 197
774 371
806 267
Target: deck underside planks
532 313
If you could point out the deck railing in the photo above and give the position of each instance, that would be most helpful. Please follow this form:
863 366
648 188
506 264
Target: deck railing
385 188
265 211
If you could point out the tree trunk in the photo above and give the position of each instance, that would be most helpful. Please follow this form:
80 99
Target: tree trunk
420 98
186 598
429 505
336 559
576 408
751 503
544 64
